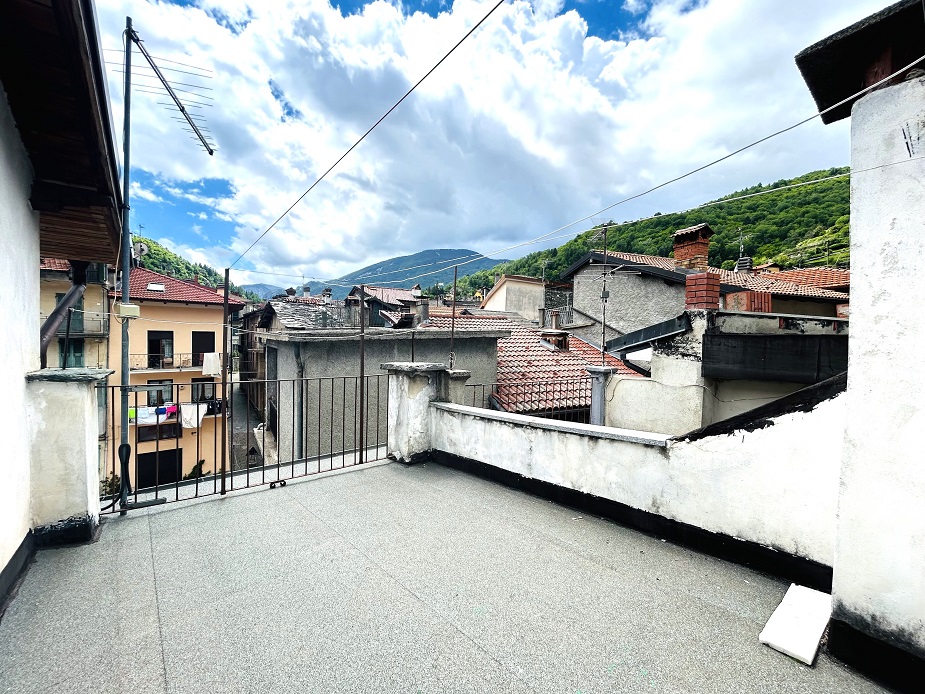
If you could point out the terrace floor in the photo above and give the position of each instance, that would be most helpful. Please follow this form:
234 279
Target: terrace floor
393 579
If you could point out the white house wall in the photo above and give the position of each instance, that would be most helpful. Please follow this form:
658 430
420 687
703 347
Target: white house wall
19 316
879 579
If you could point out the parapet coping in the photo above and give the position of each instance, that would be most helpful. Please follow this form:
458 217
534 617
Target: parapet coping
380 334
74 375
629 435
413 367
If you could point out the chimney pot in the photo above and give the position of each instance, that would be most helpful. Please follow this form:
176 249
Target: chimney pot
290 291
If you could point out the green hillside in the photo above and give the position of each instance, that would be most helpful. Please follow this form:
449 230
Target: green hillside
803 227
166 262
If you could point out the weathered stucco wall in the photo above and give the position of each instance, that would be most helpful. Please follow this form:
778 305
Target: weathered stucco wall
879 581
636 301
524 298
776 486
19 338
63 450
335 428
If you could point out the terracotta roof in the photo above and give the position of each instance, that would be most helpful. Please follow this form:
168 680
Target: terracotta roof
768 282
55 264
823 277
702 227
174 290
654 260
771 283
532 375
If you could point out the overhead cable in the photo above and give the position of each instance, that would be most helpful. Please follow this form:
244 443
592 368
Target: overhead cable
373 127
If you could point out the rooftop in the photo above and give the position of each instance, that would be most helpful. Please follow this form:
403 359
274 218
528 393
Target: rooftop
55 264
794 283
174 290
387 295
348 583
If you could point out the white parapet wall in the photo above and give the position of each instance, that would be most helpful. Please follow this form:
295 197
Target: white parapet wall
776 486
64 450
879 579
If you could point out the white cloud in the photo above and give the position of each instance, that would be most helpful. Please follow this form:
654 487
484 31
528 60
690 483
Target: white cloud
137 191
529 125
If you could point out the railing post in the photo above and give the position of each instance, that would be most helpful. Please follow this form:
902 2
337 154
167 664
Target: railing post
600 377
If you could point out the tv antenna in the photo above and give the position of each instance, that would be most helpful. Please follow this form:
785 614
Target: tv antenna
131 36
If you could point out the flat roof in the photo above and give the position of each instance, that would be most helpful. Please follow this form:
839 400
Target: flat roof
393 578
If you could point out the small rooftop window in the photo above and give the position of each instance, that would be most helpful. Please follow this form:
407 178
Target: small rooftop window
156 287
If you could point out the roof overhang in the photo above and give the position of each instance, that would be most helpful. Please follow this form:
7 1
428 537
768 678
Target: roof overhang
52 71
860 55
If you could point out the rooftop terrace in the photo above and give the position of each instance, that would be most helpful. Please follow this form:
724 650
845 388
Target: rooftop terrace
392 578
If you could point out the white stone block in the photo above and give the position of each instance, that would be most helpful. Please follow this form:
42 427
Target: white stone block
798 622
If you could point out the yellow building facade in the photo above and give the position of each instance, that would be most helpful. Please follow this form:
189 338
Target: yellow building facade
176 404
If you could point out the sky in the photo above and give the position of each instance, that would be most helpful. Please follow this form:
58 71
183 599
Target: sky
551 111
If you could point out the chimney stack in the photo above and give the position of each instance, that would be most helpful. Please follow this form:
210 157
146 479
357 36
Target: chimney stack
702 291
220 289
554 320
692 247
307 291
290 291
744 264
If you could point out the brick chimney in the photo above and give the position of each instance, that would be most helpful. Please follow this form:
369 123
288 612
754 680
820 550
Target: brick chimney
692 247
702 291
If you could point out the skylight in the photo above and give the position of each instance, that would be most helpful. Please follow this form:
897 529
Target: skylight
156 287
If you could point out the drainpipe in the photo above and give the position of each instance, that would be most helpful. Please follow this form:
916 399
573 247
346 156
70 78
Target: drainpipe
297 394
74 294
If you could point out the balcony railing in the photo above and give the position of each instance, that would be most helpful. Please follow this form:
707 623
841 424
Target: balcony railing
83 324
176 361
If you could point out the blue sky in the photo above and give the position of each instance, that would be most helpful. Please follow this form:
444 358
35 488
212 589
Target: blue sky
550 112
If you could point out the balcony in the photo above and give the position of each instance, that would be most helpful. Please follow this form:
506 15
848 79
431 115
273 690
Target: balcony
83 324
175 362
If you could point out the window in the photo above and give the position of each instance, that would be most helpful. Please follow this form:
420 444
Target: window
160 349
75 353
160 392
153 432
77 316
202 390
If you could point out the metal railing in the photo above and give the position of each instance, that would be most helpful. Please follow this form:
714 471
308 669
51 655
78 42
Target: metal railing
189 440
565 316
192 360
563 399
83 323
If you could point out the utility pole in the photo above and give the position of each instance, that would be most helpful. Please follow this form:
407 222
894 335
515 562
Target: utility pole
604 296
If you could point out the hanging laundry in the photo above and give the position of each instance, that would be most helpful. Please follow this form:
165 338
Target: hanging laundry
191 415
211 364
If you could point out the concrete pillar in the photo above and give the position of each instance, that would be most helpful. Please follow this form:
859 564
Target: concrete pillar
879 574
600 376
412 387
64 442
457 387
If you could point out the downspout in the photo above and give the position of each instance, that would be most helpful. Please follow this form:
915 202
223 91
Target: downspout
56 317
300 415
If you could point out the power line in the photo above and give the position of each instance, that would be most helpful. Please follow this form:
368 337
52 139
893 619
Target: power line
165 60
714 203
374 126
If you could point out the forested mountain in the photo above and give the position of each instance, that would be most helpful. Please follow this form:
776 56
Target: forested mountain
803 226
166 262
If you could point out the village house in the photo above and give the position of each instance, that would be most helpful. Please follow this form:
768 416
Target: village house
176 360
387 306
518 294
643 290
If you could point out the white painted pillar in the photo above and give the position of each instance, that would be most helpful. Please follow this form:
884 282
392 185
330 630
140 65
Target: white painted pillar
879 572
412 387
64 440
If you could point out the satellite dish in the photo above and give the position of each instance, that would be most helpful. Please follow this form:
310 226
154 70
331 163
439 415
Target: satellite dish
140 248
